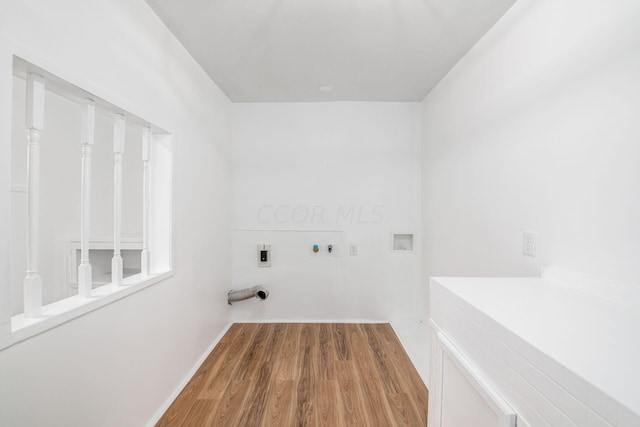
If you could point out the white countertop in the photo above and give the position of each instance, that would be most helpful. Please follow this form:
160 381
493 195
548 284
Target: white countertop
596 339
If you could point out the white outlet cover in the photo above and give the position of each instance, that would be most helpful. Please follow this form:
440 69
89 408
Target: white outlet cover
529 243
353 250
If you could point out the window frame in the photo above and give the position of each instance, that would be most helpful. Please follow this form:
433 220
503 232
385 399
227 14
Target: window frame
17 328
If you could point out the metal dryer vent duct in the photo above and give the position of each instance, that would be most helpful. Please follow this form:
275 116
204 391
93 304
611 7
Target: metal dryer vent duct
256 292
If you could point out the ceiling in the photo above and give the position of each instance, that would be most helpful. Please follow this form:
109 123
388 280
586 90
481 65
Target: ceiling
355 50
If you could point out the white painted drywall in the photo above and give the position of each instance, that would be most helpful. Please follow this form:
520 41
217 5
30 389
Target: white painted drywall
537 129
118 365
326 173
60 172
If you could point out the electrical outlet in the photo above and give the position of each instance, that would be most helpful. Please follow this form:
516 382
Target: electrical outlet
353 250
529 243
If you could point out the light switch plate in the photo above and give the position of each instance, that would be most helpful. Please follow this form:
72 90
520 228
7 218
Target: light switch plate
529 243
261 249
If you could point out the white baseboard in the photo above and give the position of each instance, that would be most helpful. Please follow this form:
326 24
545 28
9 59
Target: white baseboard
182 384
309 321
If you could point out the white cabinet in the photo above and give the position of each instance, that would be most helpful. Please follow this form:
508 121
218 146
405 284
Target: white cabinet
555 355
459 395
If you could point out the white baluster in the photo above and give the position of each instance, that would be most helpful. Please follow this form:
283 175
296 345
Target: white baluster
146 147
34 122
88 118
118 150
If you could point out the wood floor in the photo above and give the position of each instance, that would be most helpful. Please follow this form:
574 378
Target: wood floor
303 375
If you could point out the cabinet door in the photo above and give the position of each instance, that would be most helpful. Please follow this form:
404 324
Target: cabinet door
464 398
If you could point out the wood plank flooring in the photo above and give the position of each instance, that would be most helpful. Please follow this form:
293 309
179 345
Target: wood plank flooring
299 374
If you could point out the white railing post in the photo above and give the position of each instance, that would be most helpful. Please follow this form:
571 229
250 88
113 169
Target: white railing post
146 151
35 123
118 150
88 118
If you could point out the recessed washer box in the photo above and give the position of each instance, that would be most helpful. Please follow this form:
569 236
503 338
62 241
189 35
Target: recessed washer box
402 241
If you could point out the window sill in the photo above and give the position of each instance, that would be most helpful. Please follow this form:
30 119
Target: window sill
70 308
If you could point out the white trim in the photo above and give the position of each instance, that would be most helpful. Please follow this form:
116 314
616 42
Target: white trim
34 122
485 390
145 262
19 328
188 376
84 269
59 312
324 320
58 78
74 245
408 340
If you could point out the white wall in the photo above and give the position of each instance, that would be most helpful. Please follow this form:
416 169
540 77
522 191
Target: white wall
538 128
118 365
326 173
